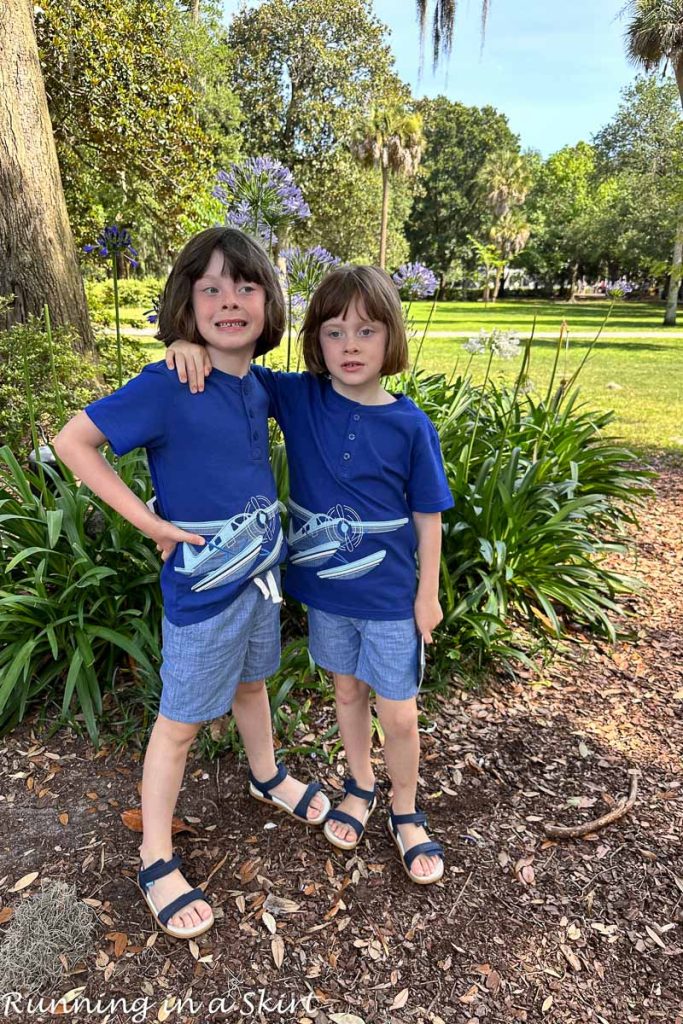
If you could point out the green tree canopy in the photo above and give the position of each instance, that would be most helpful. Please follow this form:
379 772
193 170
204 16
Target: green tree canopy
139 110
307 73
451 204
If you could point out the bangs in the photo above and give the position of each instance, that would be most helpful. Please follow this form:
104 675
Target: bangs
343 289
243 259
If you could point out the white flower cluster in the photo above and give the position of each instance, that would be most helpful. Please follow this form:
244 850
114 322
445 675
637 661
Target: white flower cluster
505 344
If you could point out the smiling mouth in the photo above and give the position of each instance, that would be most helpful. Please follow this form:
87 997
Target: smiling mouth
351 366
231 323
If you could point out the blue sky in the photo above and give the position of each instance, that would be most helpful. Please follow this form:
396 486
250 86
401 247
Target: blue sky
555 69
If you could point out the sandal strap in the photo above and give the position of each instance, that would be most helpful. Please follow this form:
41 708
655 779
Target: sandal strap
167 913
417 818
159 869
352 787
347 819
430 849
300 810
265 787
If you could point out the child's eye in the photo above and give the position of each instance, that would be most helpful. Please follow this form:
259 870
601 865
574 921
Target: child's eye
333 333
247 288
210 290
366 332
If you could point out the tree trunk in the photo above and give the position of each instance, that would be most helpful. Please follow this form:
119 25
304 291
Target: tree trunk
385 219
195 12
675 276
38 262
676 273
572 286
496 286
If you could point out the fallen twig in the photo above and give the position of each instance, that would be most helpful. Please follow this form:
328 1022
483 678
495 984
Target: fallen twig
575 831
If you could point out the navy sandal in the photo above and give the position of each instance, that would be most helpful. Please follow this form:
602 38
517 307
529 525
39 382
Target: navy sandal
146 879
430 849
353 789
261 791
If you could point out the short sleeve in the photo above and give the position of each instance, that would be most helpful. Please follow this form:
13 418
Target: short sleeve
427 489
136 415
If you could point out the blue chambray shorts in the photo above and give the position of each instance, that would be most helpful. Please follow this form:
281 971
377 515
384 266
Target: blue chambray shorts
204 662
388 655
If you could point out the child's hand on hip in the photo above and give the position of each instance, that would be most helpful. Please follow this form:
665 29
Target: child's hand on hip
166 536
428 615
191 362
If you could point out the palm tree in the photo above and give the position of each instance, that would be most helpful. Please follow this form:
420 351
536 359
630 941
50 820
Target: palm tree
654 36
505 179
393 141
443 23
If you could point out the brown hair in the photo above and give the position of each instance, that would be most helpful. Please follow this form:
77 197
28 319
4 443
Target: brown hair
245 260
333 297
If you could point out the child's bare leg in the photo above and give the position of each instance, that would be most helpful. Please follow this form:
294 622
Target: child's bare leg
402 755
162 778
252 715
355 725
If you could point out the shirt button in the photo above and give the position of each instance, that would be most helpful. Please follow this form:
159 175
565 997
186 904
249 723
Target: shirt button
356 417
352 437
347 456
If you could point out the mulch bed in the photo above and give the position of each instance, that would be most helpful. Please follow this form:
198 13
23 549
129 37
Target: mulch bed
522 928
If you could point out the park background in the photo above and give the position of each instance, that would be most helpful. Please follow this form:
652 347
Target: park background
521 179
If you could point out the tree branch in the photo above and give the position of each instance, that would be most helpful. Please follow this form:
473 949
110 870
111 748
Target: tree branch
576 831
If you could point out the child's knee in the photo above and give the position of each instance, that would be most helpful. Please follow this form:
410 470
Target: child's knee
349 690
250 688
177 734
399 719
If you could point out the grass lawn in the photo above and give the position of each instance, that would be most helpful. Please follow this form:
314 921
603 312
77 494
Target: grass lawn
640 378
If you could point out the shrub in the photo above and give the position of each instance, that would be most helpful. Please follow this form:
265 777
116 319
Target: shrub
59 379
542 498
133 291
79 593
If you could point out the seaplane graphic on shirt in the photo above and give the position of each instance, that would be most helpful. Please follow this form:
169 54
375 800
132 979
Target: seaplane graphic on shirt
235 546
326 536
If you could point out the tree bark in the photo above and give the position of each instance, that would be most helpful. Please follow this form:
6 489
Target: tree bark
38 263
496 286
572 284
675 276
385 218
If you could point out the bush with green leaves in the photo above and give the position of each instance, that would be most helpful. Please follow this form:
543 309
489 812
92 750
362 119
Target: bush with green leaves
79 593
133 291
543 498
59 379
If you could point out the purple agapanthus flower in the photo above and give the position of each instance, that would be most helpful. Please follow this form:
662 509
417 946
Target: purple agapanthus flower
111 240
260 196
306 269
152 315
415 281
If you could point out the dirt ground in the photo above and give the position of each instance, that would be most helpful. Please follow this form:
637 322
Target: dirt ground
522 927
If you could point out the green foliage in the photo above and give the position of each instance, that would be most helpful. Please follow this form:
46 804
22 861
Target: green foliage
46 375
133 291
60 381
542 496
451 204
305 72
128 83
133 357
562 206
79 594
